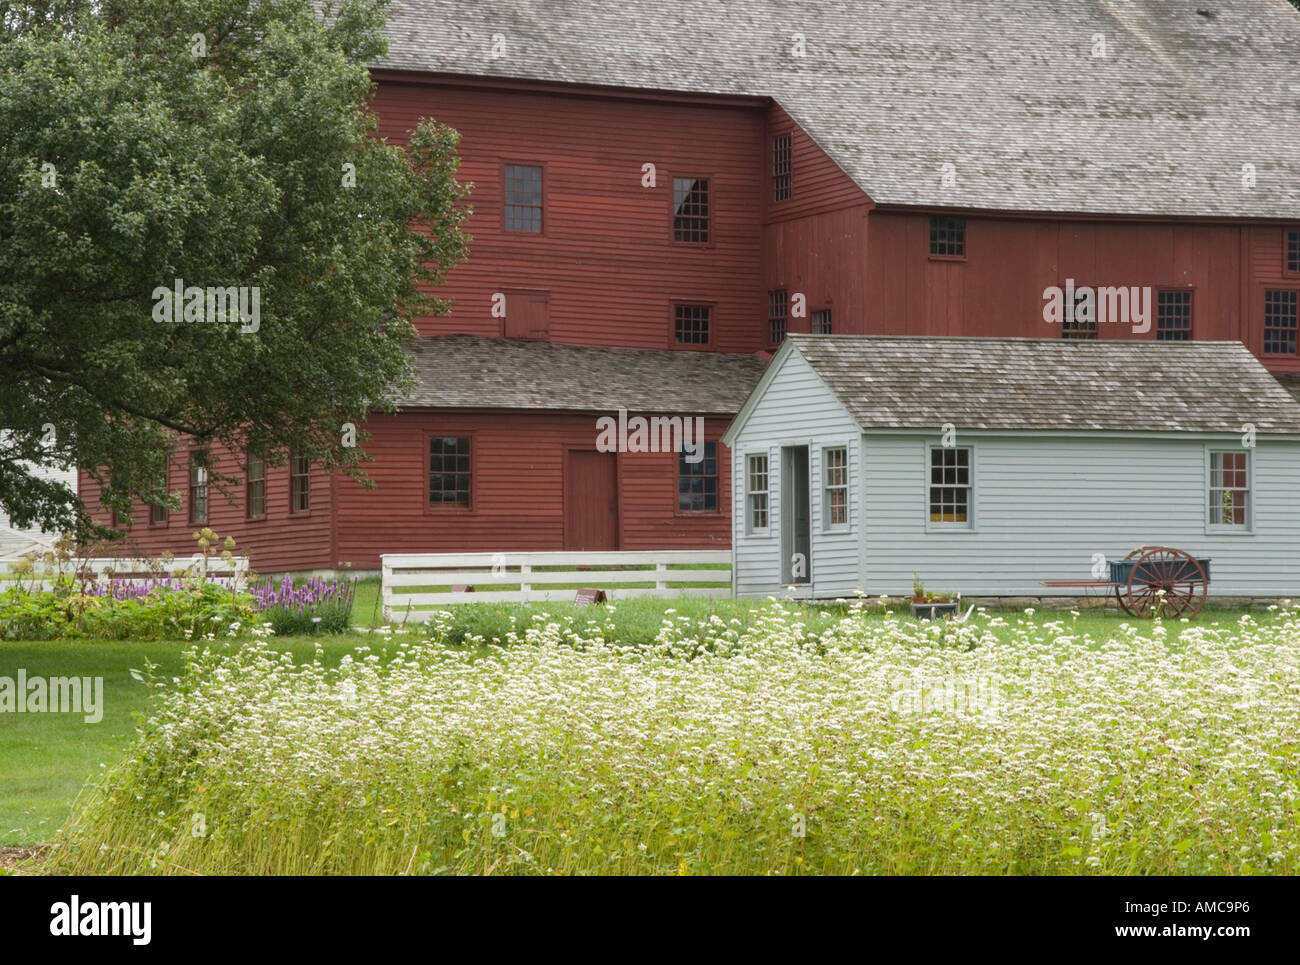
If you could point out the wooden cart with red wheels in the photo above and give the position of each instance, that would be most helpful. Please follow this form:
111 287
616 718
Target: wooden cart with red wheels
1153 581
1160 581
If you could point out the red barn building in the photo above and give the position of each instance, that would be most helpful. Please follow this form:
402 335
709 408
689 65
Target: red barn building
663 190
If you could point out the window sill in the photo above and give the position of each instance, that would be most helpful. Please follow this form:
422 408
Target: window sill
957 258
440 509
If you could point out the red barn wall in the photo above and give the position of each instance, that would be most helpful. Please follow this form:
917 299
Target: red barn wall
518 489
279 541
815 242
605 254
998 288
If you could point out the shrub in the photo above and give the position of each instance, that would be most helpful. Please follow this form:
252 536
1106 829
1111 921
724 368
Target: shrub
153 611
315 606
54 597
636 622
875 747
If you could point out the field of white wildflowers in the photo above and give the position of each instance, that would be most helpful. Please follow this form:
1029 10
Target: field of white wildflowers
1013 745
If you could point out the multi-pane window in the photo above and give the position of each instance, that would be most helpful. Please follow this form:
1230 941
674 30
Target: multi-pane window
697 482
691 324
523 197
948 236
950 484
1229 488
1280 322
299 483
756 491
1080 324
1174 315
690 209
1293 250
158 506
449 471
821 322
198 493
256 486
781 167
777 320
836 487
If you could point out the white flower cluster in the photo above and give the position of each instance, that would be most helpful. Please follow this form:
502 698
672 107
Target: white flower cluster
1039 749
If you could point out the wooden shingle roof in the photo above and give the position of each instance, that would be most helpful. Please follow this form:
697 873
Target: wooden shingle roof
1012 93
471 372
905 382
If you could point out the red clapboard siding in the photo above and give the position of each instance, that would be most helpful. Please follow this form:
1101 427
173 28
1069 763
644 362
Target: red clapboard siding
605 254
998 289
280 541
815 242
518 463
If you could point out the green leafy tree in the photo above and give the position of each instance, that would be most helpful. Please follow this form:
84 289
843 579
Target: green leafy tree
225 143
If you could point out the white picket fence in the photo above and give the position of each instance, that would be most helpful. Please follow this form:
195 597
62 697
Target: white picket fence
544 577
128 569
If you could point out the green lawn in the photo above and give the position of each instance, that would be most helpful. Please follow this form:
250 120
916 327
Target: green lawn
46 759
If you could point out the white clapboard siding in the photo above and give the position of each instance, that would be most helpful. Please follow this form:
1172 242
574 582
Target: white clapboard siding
15 542
510 570
1045 506
796 410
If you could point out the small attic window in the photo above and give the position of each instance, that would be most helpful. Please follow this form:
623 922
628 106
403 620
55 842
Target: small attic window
947 237
781 167
1293 250
777 320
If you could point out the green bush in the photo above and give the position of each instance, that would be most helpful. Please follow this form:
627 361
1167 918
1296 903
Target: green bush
190 609
637 622
315 606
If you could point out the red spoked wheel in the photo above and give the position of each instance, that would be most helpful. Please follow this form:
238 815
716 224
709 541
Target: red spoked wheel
1163 582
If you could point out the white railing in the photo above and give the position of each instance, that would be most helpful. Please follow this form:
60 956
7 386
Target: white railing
129 569
544 577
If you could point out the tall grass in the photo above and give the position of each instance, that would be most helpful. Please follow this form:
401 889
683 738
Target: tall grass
886 746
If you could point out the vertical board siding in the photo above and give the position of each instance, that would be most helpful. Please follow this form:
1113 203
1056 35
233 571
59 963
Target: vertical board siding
605 255
1043 506
797 409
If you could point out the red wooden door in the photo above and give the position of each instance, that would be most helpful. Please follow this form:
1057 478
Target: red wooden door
591 501
528 314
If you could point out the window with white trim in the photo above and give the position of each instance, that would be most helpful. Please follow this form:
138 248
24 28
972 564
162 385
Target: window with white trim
1230 488
835 487
950 485
756 492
